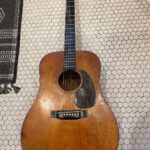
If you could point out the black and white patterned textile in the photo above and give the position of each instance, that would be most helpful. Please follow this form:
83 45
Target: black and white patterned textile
10 23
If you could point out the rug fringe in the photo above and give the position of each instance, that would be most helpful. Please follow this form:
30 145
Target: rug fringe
7 88
15 88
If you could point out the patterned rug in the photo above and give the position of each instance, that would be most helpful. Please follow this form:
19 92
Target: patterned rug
10 23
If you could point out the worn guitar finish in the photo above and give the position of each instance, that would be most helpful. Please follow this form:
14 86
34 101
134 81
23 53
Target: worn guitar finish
69 112
98 131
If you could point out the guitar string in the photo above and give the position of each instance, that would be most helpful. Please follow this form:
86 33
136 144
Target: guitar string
69 50
70 42
64 71
80 122
66 61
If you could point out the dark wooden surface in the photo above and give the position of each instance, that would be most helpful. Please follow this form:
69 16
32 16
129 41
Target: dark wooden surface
98 131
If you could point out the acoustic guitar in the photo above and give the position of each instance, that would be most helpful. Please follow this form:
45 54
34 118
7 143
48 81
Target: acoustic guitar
69 112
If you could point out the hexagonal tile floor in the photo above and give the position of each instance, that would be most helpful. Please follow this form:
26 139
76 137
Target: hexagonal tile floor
118 31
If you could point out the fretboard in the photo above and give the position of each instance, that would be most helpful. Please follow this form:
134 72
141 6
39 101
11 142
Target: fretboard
70 43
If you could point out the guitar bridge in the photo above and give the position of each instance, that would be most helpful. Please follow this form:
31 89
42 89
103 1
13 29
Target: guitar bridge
69 114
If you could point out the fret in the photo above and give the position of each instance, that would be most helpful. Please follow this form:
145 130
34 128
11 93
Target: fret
72 61
70 21
70 50
70 36
70 54
71 32
69 58
70 28
70 25
69 62
66 59
70 12
70 3
70 6
68 47
70 41
70 0
69 66
71 16
70 44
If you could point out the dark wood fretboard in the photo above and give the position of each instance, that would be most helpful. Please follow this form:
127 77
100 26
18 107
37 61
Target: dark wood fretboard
70 42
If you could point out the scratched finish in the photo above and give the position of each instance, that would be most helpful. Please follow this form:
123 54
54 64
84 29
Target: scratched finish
118 31
98 131
85 95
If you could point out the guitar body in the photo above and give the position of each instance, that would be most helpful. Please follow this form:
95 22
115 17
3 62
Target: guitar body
96 131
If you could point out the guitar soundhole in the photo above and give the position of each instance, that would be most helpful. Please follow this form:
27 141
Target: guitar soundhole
69 80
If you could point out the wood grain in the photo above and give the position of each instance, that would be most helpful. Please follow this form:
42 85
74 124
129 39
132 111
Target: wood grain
98 131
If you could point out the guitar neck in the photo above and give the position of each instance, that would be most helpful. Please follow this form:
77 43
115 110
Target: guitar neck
70 42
